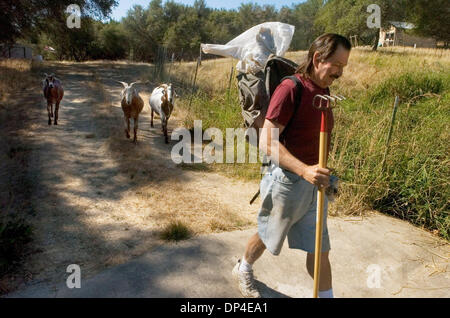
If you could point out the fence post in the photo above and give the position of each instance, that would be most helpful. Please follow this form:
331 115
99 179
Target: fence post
170 67
193 83
229 82
390 133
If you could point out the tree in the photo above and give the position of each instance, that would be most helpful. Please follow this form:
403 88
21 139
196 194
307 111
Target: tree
431 20
74 44
21 17
349 17
302 16
136 25
251 14
221 26
113 41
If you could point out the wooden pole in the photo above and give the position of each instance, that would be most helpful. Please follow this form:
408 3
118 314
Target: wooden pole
320 202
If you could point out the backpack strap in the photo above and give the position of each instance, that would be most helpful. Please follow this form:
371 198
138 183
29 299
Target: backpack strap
298 100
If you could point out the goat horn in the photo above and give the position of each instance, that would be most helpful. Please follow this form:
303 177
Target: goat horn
137 82
123 83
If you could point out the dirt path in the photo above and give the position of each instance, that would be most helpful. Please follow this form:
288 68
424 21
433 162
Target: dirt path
98 199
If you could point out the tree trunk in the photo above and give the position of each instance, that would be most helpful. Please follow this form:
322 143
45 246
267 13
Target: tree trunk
377 38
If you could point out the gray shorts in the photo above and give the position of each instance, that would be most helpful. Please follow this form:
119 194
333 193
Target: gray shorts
289 205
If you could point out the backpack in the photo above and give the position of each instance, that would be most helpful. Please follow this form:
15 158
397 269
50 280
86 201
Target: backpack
255 90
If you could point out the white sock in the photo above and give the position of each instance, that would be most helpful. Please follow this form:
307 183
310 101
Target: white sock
245 266
326 293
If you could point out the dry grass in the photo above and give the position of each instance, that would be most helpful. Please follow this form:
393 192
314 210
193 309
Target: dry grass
18 89
213 75
367 69
14 76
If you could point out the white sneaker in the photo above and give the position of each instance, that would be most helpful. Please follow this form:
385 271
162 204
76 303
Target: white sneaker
246 282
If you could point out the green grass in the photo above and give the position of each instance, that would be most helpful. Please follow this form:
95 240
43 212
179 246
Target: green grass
410 85
414 184
176 231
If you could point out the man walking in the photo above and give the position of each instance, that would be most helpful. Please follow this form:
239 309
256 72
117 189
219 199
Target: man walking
289 188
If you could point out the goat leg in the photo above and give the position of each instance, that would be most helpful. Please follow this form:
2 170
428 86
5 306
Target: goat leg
135 130
56 112
127 127
166 138
151 120
49 112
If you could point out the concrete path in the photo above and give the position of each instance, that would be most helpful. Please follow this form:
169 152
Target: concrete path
377 256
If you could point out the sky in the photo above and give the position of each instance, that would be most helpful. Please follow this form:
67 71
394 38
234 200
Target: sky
124 5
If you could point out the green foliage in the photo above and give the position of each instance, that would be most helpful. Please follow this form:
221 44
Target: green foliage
181 28
414 185
431 20
140 39
418 169
23 17
176 231
113 41
349 17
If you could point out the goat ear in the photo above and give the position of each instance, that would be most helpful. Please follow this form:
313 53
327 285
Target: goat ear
45 74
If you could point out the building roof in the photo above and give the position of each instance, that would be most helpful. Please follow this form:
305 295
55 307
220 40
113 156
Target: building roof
402 25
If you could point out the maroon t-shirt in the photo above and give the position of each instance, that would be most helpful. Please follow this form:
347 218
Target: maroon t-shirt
303 135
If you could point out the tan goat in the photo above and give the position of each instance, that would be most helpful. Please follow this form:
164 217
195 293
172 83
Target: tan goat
132 105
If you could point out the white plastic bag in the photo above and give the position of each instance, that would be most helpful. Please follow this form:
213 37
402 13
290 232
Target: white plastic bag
253 47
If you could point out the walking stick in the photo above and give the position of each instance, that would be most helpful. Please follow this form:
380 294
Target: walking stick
330 102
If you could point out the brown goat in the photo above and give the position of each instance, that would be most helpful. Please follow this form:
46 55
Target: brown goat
53 93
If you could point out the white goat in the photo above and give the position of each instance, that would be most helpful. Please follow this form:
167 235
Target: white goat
132 105
162 101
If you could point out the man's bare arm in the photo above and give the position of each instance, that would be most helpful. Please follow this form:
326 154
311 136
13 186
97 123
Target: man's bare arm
269 143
